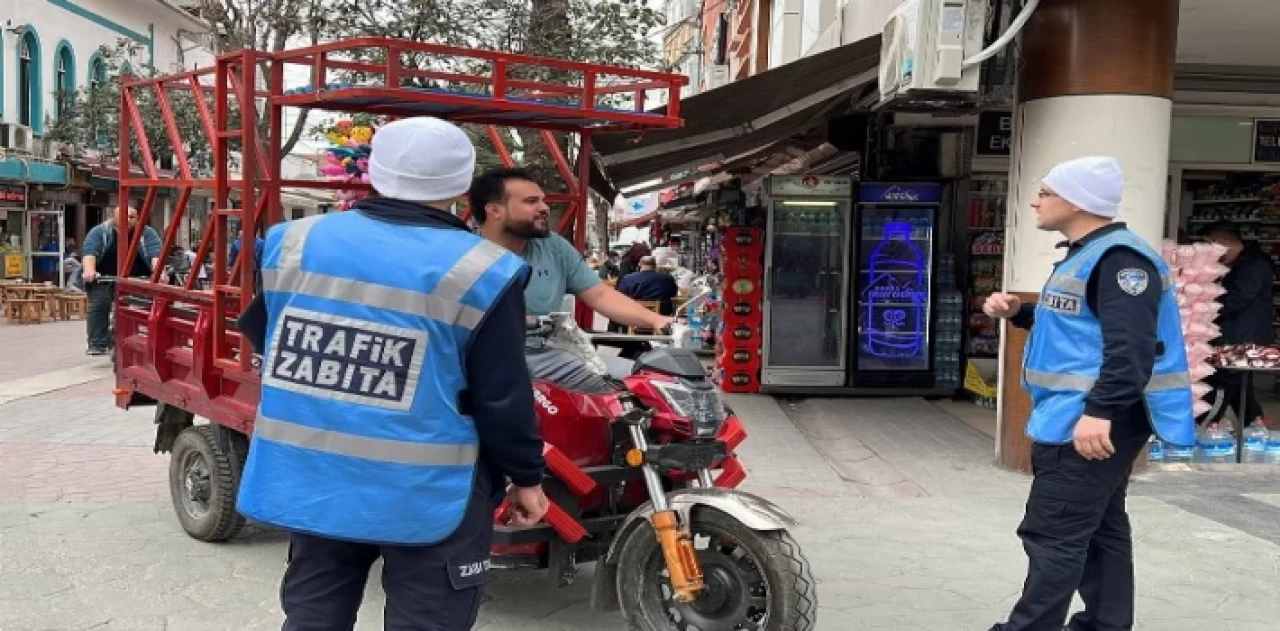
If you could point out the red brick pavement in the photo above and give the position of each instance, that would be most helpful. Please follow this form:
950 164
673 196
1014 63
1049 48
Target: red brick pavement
45 472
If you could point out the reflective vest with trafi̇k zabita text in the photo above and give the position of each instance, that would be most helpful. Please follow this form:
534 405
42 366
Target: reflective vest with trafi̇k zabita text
1064 352
360 435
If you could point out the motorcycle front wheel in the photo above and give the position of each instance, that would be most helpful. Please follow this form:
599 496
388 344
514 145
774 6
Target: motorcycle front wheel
755 581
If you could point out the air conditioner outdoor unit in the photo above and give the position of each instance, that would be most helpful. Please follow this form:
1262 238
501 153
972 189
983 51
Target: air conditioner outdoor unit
16 138
924 45
717 76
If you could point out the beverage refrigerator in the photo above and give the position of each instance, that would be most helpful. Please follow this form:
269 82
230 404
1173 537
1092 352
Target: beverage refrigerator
806 319
892 288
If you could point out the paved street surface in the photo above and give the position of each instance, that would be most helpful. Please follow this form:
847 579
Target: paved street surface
907 523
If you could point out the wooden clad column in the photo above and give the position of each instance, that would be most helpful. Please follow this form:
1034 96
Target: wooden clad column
1096 79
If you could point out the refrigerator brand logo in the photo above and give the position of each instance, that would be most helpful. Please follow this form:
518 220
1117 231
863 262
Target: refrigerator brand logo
740 379
899 194
743 239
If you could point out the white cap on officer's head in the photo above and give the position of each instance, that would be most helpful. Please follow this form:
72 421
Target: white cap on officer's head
421 159
1094 184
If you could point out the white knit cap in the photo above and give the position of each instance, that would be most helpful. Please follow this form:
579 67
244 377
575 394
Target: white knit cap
421 159
1094 184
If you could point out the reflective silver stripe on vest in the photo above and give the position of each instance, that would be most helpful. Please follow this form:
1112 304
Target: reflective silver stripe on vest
293 279
1068 284
378 449
295 236
1082 383
458 281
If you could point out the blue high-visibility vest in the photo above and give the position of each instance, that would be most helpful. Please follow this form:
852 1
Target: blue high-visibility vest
1064 352
360 435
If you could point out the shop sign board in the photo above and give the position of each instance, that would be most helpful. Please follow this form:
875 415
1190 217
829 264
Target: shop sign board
12 196
874 193
995 133
13 266
810 185
1266 140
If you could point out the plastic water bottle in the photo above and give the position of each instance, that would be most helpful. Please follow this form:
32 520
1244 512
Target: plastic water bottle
1179 454
1273 447
1155 449
1215 446
1256 437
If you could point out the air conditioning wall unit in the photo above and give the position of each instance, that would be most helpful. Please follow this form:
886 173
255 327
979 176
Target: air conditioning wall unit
717 76
923 47
16 138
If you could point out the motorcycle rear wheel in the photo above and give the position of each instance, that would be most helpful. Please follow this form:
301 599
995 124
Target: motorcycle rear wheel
756 581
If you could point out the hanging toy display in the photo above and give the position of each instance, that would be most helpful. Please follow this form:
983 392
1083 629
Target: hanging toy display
347 158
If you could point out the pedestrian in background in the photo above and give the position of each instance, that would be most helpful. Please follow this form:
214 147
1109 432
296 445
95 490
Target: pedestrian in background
1245 317
395 399
1112 297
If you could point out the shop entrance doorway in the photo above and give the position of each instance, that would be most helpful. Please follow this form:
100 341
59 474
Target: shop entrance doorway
46 245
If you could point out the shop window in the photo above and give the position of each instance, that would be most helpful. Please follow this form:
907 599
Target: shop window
64 73
29 92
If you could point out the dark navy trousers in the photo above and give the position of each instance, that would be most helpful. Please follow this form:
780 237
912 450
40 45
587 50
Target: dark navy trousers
1077 537
428 588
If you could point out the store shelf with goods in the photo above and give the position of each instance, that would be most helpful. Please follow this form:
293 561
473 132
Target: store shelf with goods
987 210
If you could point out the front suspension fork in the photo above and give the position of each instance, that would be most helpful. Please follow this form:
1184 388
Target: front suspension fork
673 537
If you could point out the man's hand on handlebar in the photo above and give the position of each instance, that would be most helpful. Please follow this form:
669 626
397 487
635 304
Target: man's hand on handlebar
89 275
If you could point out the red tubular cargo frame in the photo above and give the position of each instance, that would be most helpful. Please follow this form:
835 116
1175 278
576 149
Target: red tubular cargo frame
178 345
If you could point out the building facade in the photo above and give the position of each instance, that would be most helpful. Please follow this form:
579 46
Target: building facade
1186 93
50 49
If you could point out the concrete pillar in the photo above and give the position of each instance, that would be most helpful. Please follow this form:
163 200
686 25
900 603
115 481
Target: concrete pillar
1097 79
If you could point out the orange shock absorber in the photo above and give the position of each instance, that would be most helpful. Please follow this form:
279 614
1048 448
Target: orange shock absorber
682 561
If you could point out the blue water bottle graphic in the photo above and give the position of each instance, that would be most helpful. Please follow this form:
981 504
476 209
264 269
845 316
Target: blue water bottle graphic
895 295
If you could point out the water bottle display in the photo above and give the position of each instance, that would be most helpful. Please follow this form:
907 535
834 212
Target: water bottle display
895 297
1256 436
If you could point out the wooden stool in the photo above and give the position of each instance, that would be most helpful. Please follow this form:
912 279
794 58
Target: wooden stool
73 306
24 311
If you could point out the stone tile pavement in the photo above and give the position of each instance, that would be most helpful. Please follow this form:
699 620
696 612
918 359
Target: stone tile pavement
907 523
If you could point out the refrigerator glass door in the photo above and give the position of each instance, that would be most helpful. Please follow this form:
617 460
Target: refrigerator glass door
806 283
894 288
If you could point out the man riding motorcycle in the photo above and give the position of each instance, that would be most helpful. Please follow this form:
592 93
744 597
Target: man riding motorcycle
512 211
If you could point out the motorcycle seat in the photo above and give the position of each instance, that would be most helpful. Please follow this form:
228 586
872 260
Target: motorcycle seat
618 367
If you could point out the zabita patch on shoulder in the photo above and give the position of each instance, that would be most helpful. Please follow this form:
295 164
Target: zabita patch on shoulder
1132 280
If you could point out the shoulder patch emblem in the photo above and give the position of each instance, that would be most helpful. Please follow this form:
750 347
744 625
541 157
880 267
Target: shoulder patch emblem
1132 280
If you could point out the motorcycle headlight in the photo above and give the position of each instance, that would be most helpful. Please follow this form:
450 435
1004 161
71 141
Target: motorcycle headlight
701 406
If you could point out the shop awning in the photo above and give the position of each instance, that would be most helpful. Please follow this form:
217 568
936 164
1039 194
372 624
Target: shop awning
739 117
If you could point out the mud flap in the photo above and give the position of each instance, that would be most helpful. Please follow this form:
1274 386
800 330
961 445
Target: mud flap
170 421
604 588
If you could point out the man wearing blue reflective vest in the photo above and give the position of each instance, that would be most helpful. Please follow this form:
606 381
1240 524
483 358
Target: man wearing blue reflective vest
395 398
1105 365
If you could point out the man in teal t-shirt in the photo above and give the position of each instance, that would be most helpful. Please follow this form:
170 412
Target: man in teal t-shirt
512 211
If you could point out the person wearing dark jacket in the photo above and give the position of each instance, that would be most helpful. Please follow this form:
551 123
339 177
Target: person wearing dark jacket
395 398
647 283
1245 317
1105 365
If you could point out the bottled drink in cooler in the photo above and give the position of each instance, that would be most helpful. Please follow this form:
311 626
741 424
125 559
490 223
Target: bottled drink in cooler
895 317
